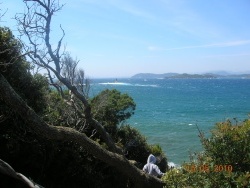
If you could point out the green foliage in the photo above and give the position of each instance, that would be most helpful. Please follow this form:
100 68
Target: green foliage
14 67
156 149
181 178
224 162
55 112
10 47
112 107
229 144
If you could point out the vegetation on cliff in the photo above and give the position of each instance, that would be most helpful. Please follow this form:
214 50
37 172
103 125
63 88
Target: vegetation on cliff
224 163
54 133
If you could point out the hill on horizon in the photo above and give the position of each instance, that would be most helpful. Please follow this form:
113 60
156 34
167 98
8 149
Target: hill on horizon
215 74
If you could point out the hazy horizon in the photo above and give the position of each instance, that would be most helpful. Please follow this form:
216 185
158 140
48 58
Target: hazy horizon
114 39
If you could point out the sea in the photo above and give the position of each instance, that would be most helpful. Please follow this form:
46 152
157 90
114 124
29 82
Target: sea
169 112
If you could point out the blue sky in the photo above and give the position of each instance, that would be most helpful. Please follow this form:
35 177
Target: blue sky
119 38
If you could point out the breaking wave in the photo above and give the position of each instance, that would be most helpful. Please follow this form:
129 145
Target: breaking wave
128 84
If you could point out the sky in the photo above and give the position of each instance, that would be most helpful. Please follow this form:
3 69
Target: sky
120 38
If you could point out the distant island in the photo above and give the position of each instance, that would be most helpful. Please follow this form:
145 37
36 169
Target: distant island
188 76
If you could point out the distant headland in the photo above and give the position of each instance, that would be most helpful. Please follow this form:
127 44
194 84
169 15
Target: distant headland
189 76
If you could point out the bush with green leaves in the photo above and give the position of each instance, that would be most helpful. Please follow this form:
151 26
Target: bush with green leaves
229 144
111 107
223 164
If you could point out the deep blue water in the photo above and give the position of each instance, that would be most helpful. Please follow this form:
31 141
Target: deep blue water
168 110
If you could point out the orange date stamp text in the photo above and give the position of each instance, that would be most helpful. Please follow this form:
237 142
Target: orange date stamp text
207 168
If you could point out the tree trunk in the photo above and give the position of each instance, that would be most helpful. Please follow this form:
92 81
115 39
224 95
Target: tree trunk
42 129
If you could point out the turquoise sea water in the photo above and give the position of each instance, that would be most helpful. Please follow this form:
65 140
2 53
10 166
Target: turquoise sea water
168 110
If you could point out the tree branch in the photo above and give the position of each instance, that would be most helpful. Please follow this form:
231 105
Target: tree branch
16 178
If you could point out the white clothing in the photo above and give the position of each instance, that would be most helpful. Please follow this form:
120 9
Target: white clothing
151 168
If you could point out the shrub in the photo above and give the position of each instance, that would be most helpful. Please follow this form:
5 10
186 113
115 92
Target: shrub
224 162
111 107
229 144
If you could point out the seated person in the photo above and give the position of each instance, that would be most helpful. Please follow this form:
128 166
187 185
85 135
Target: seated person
151 168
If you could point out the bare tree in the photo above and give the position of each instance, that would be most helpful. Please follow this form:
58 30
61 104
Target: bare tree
70 68
73 115
35 24
75 76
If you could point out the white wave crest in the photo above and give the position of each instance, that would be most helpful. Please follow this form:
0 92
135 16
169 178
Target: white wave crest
128 84
145 85
116 83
